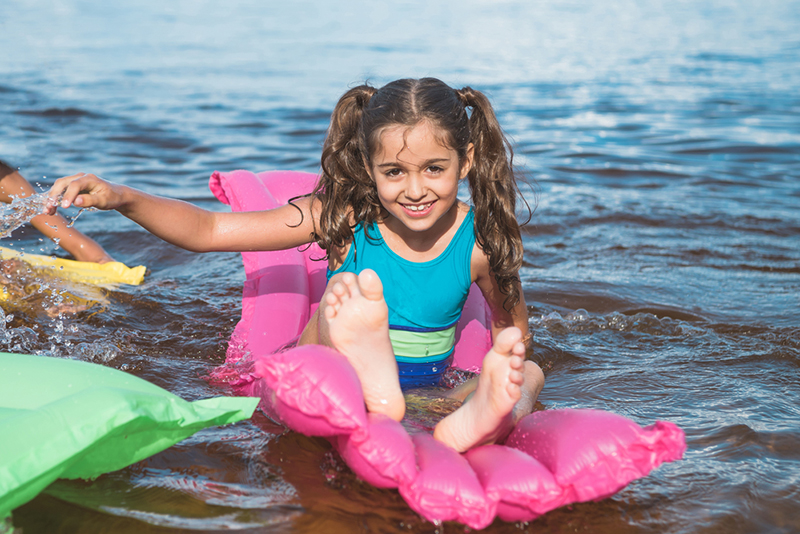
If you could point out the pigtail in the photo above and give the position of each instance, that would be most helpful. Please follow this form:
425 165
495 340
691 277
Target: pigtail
346 191
494 193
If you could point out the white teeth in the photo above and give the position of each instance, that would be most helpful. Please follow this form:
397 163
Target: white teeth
418 208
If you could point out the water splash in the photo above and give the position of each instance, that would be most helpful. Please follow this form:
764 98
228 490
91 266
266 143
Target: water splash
20 211
72 222
21 339
38 309
581 321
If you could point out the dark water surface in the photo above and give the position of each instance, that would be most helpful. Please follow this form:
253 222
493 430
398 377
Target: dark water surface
662 266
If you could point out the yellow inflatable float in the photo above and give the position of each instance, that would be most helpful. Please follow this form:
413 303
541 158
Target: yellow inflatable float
81 271
29 286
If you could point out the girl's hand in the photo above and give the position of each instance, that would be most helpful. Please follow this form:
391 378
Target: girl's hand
84 191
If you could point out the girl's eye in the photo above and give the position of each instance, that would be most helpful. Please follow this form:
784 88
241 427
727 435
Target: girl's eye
435 169
393 172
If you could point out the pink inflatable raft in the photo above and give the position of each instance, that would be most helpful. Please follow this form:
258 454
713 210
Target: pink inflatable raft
552 458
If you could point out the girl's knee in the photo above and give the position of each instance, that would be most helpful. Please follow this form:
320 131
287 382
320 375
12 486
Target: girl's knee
534 377
310 334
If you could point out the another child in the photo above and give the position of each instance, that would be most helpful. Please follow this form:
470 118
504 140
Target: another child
81 247
386 207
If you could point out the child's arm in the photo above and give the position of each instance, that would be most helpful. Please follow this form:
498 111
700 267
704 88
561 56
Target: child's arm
501 318
533 378
81 247
186 225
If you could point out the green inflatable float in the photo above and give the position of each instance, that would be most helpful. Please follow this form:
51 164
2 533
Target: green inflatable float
70 419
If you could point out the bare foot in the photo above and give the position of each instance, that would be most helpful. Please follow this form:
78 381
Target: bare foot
356 320
487 415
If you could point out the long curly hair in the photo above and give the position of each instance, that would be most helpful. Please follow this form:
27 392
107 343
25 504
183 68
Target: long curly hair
348 193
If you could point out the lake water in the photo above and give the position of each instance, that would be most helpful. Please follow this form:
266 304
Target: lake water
662 264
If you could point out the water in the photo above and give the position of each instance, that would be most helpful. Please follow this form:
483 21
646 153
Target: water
21 211
662 266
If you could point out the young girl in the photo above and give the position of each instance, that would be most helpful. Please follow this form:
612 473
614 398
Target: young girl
402 250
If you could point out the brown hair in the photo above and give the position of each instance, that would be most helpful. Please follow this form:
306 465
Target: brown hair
347 192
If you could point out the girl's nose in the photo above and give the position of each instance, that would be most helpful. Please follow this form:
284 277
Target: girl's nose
415 188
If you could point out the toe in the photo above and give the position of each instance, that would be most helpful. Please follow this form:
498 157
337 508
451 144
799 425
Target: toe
370 285
514 391
350 283
516 377
506 340
340 289
331 299
330 313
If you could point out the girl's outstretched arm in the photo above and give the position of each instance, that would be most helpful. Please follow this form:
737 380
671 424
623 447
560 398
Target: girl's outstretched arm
186 225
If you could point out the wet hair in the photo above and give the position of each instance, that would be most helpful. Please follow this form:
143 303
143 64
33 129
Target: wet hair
348 193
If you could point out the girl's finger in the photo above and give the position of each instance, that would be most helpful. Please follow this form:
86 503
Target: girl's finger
60 185
73 190
79 190
50 206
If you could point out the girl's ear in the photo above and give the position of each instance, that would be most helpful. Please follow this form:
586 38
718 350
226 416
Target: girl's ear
466 166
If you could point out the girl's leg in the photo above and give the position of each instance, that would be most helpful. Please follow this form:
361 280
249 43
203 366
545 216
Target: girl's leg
353 318
503 393
311 333
532 384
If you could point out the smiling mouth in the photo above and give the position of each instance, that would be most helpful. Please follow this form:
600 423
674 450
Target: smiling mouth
417 207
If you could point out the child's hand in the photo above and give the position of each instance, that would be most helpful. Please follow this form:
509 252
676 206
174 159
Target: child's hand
83 191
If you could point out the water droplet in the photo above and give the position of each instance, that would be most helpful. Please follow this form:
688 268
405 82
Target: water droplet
20 211
69 225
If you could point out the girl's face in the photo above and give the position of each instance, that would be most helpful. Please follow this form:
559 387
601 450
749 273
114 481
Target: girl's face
417 176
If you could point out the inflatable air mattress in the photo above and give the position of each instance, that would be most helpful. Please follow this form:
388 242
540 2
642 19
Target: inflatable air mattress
70 419
112 272
552 458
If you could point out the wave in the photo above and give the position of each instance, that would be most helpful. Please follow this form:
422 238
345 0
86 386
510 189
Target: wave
740 149
68 112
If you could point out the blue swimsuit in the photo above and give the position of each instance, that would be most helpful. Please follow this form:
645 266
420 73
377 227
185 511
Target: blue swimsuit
424 298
